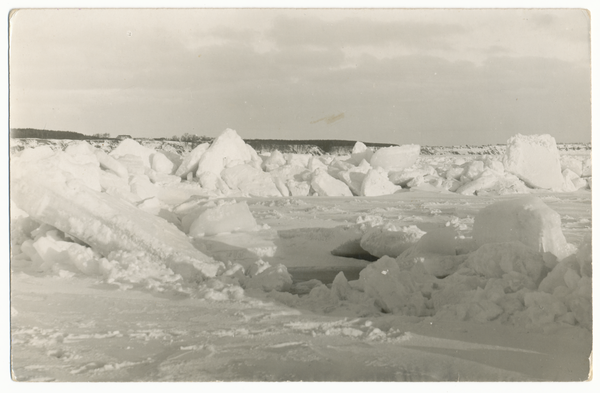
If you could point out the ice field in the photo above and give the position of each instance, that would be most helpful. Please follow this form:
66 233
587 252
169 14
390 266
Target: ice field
227 264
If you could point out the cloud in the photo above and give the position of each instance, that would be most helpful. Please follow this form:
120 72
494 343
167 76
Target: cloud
497 50
88 74
234 34
572 25
312 31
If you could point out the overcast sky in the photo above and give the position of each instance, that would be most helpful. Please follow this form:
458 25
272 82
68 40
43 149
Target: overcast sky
434 77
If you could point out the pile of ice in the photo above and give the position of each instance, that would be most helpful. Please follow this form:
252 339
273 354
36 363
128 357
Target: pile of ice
119 216
530 162
230 167
517 269
130 217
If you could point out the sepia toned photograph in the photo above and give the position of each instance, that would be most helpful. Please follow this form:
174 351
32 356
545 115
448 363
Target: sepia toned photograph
287 194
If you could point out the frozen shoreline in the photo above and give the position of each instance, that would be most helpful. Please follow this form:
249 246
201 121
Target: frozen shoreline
134 319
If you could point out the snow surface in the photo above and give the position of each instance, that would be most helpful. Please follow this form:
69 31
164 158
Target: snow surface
126 267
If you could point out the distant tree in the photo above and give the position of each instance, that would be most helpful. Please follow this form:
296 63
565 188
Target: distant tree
101 136
193 138
45 134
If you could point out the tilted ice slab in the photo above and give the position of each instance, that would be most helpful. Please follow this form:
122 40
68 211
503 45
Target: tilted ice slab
377 183
103 221
360 152
190 161
326 185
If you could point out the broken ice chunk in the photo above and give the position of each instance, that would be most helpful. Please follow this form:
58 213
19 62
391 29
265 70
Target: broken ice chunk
493 260
250 180
326 185
228 146
274 161
223 218
131 147
534 159
107 162
190 161
262 275
395 158
392 289
376 183
360 152
435 252
528 220
161 164
390 240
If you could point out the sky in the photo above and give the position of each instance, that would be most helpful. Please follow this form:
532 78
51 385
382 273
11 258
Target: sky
428 76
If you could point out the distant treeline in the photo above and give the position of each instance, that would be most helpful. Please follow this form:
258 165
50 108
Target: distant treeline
312 146
309 146
322 146
50 134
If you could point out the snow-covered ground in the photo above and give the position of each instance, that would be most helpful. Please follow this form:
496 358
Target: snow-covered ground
150 265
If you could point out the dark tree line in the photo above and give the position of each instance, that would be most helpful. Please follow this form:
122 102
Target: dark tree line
51 134
327 146
193 138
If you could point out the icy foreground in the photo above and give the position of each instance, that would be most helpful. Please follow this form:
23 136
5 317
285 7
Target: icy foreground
242 246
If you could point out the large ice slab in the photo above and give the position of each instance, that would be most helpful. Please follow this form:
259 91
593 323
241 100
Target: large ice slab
108 162
131 147
527 219
535 160
376 183
222 219
105 222
360 152
395 158
226 148
326 185
390 240
250 180
161 164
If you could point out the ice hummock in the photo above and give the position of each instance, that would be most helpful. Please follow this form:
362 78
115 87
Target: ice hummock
226 149
505 279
